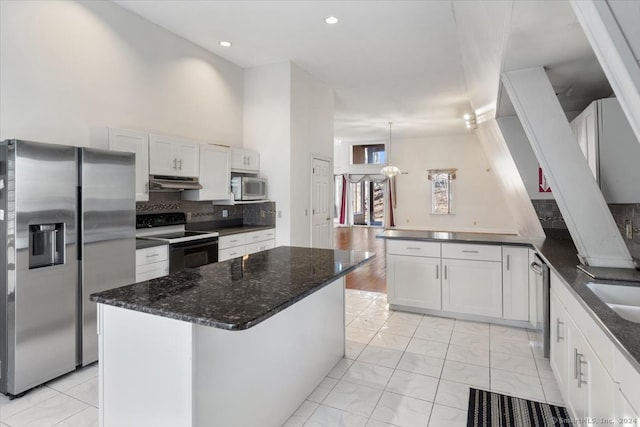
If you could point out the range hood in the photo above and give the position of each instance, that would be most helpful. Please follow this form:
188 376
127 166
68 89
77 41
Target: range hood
173 183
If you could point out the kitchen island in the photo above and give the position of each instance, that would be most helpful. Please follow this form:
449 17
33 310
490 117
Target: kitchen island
236 343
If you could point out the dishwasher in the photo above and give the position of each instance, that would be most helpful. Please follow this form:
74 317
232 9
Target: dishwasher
542 289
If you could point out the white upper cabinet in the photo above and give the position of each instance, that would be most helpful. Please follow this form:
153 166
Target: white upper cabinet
243 160
214 175
611 148
173 157
132 142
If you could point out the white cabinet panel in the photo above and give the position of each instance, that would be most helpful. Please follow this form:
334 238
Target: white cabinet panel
590 389
515 283
414 281
214 175
188 155
472 287
413 248
260 246
243 160
239 239
240 244
558 351
152 262
173 157
131 142
229 253
472 251
162 157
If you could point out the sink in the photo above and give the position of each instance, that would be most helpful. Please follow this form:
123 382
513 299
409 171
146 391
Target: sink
624 300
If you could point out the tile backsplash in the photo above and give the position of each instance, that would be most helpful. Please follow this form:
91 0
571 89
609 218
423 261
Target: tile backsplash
623 214
247 214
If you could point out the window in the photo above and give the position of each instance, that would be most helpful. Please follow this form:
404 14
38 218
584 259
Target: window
442 190
368 154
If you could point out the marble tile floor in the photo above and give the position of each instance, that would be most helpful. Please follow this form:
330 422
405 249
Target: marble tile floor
400 369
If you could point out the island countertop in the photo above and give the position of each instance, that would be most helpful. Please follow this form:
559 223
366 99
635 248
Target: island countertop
239 293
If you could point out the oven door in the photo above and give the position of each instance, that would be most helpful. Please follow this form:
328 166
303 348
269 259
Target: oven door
191 254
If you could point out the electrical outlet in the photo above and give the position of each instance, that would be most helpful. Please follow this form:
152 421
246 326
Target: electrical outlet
188 216
279 214
629 231
225 213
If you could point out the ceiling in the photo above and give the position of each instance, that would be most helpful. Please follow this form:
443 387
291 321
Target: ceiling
387 61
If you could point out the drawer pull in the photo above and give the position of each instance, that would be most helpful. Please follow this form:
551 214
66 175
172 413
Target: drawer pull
413 248
233 241
469 252
558 323
153 255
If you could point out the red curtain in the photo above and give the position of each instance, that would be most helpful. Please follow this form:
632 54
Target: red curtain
343 201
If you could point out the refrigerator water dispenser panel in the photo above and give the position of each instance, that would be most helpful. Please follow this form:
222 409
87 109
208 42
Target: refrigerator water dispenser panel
46 245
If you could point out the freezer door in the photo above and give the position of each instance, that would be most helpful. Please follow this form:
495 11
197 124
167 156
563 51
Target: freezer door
108 248
40 286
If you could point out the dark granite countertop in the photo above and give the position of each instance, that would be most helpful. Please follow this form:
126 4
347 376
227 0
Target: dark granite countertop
561 255
227 231
239 293
146 243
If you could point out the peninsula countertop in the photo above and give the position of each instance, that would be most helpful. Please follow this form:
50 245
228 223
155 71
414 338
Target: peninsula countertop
239 293
561 255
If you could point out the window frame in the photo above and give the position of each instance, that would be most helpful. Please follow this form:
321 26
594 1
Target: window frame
436 176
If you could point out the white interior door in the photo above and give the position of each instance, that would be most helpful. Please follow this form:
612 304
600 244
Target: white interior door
321 182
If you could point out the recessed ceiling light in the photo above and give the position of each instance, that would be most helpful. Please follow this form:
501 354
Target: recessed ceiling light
331 20
225 43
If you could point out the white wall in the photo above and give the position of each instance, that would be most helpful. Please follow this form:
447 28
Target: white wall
479 202
267 129
311 133
288 117
68 66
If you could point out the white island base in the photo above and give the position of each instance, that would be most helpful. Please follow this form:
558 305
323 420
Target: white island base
156 371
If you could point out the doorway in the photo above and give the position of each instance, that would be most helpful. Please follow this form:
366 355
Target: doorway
367 203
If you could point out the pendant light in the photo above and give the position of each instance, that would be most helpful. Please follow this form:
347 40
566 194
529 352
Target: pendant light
390 171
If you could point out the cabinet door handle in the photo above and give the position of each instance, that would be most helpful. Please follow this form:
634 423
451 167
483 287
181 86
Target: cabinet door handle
180 162
558 323
445 272
437 271
175 163
146 188
580 374
508 261
469 252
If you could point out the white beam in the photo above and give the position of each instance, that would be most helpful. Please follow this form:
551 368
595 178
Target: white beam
612 47
579 198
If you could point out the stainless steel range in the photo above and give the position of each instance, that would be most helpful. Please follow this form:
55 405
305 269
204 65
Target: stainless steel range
187 249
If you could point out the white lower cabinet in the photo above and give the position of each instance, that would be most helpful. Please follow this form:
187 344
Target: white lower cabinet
460 278
472 287
558 337
590 389
515 283
152 262
583 368
414 281
240 244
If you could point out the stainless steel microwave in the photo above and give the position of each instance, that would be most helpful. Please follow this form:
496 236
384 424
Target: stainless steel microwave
248 188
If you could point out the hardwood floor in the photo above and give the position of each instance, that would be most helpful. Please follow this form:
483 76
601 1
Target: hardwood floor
372 276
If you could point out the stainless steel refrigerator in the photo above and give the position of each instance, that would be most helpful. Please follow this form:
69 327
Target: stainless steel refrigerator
67 228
